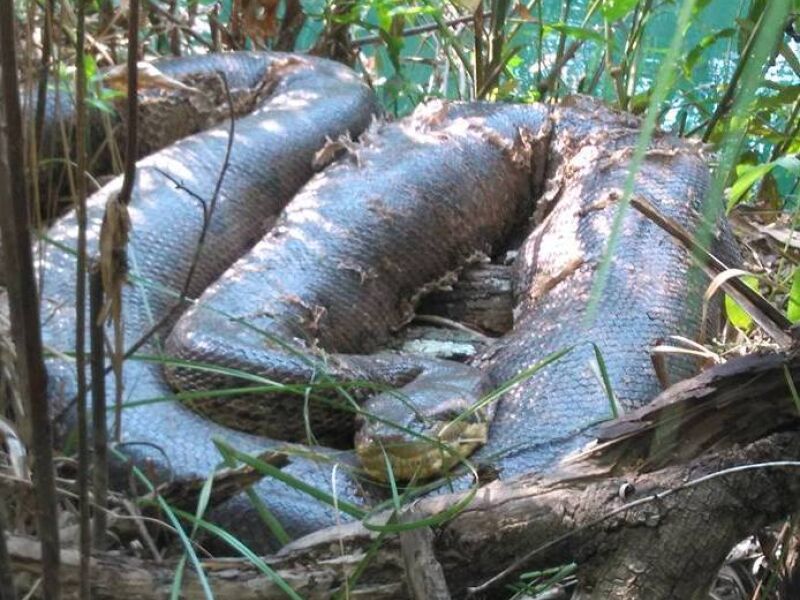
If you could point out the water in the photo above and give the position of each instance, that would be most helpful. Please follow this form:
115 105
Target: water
712 69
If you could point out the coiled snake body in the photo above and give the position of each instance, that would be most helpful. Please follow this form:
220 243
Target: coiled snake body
345 262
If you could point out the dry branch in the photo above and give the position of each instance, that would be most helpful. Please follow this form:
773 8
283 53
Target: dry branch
633 535
24 310
424 573
80 300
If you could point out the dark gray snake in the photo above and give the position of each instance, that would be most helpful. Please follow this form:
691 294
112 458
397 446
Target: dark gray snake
348 257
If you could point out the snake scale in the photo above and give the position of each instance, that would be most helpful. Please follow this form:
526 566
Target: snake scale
342 267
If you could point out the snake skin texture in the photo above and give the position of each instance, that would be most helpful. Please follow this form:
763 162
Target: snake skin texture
311 100
653 290
346 260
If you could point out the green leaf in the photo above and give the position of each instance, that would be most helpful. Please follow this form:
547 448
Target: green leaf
793 306
469 5
579 33
614 10
699 6
708 41
100 105
89 66
736 314
749 175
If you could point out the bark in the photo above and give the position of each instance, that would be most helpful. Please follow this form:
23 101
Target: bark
669 547
656 530
424 574
482 298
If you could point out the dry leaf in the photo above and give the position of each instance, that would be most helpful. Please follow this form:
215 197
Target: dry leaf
114 256
333 149
149 77
785 235
525 14
259 19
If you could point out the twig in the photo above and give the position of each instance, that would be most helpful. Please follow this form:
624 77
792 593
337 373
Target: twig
208 213
411 31
294 18
767 316
41 92
726 102
478 35
14 223
495 61
212 204
494 74
124 199
132 104
497 37
6 580
80 305
99 423
564 57
566 6
144 533
208 210
179 24
549 84
439 320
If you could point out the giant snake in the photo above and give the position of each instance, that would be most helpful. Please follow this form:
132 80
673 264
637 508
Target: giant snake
341 257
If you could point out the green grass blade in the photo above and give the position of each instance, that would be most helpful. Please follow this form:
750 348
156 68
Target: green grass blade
264 513
243 550
507 385
609 390
660 90
172 518
202 506
276 473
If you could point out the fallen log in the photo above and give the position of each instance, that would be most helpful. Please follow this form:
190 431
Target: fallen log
669 547
661 534
481 298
